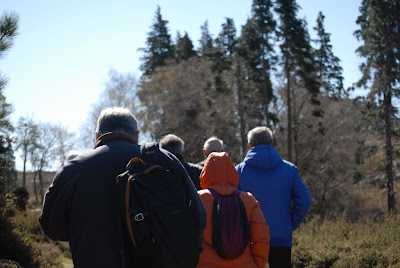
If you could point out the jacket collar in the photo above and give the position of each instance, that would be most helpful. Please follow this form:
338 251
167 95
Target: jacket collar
110 137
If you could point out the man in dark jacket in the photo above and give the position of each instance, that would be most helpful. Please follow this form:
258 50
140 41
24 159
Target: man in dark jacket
175 145
80 205
277 185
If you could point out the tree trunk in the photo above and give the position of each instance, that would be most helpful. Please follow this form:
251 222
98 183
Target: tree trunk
289 114
35 187
295 130
265 93
243 138
24 171
41 186
387 106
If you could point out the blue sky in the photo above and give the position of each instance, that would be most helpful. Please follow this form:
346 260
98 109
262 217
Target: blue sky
58 65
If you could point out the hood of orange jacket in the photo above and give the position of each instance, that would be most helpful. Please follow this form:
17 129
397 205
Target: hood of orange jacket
219 170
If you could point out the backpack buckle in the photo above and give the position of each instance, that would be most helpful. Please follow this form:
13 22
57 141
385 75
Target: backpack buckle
139 217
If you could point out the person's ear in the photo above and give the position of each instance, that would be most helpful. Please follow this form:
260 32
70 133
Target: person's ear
205 153
250 146
136 137
97 136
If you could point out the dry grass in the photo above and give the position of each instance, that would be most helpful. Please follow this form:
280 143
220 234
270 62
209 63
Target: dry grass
340 243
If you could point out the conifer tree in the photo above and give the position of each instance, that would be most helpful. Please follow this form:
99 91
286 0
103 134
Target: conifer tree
206 41
159 46
260 55
379 31
328 68
8 31
184 48
297 63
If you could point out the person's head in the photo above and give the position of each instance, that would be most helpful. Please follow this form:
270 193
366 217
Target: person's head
72 154
218 169
259 135
117 120
213 144
173 144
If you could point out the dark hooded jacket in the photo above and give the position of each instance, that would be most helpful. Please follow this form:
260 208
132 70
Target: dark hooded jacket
193 170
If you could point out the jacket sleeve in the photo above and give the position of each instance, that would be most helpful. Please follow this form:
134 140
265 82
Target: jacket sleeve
301 201
259 235
54 217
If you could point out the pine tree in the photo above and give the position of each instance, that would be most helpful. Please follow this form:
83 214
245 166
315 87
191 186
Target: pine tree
8 31
261 30
221 55
328 68
184 48
206 41
159 46
297 64
379 31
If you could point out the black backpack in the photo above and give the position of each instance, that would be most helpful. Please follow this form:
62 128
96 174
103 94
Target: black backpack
230 225
164 215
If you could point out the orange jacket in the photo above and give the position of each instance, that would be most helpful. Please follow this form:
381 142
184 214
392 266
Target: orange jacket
220 175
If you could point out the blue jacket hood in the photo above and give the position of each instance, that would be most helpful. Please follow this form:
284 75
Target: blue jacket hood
263 157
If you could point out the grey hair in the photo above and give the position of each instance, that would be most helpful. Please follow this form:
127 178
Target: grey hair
213 144
116 119
172 143
259 135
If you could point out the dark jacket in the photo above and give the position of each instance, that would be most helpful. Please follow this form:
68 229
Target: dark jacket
277 185
193 170
79 205
202 163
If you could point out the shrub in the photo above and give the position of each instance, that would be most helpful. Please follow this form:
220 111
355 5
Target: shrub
9 264
12 247
21 198
340 243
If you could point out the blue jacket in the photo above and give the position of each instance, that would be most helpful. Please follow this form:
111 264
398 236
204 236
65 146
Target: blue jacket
277 185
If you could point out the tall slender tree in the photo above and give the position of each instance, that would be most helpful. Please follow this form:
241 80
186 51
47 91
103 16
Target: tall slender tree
159 46
328 68
228 44
297 63
206 40
265 29
248 55
379 23
254 67
8 31
27 141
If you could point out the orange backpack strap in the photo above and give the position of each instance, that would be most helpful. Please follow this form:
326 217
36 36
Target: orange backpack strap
128 215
